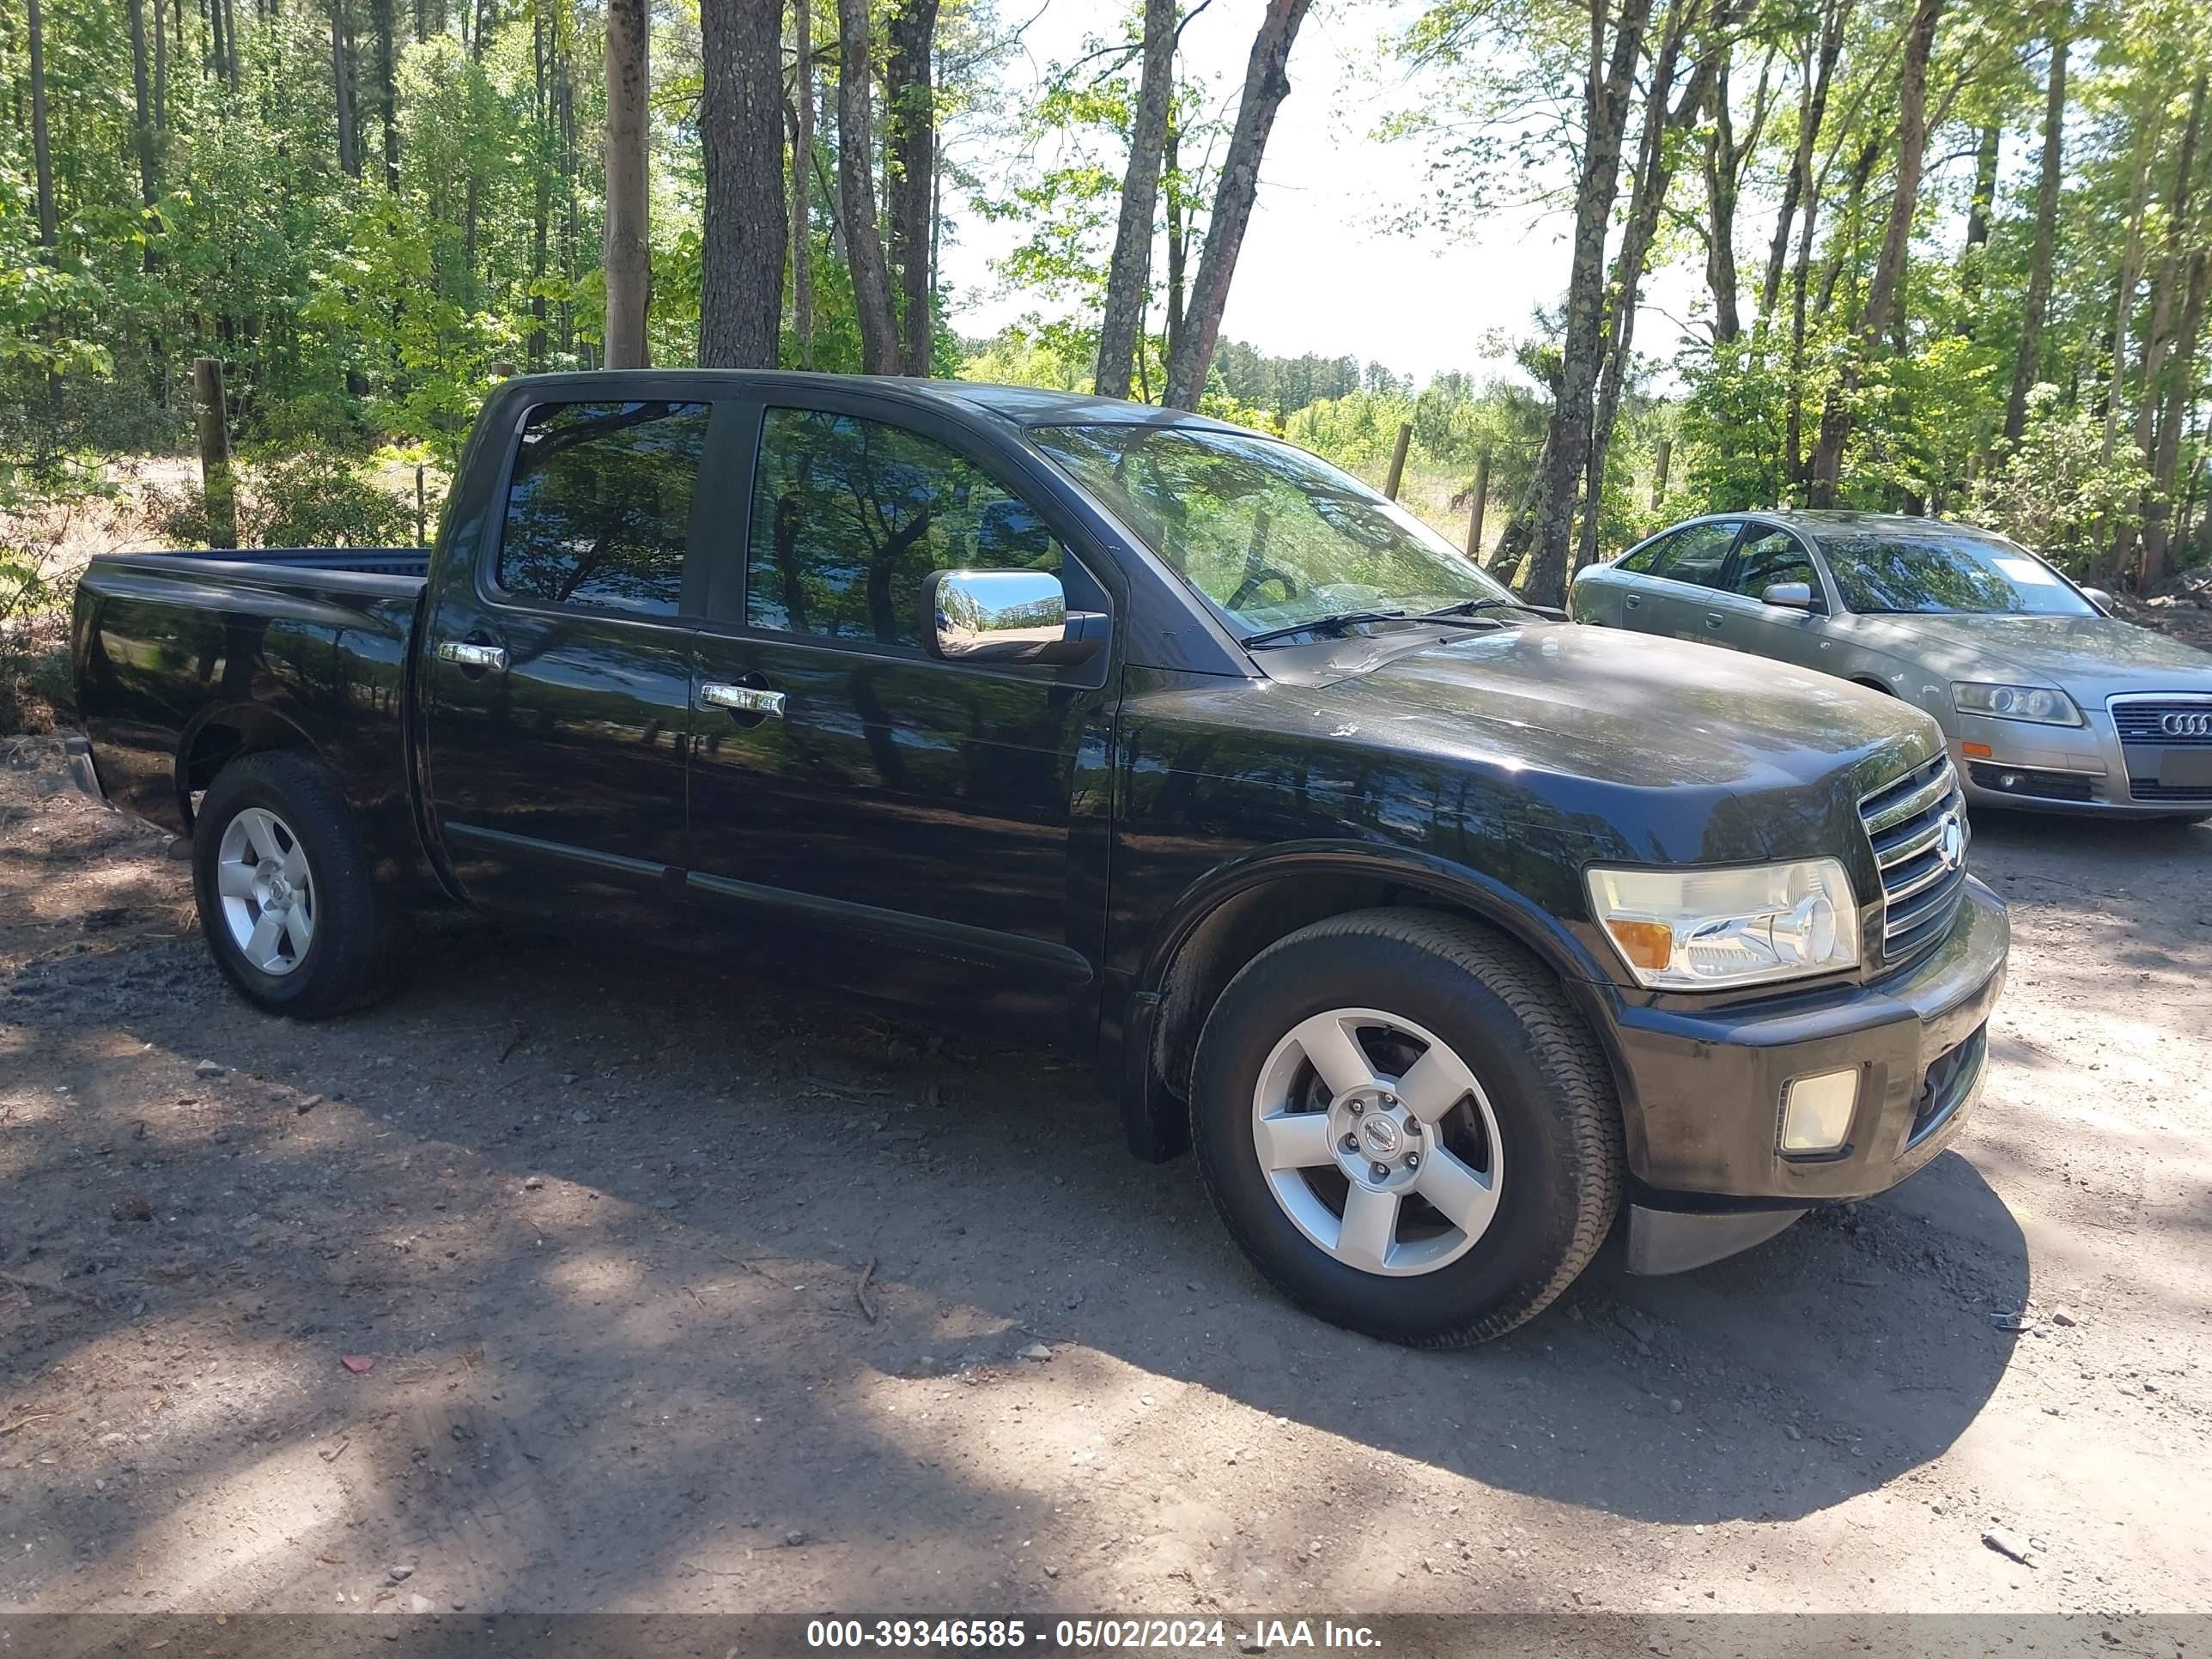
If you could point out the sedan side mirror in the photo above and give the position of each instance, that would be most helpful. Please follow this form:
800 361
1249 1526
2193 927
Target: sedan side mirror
2098 597
1005 617
1790 596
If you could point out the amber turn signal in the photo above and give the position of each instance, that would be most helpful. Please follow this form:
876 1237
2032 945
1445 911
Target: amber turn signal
1975 750
1647 944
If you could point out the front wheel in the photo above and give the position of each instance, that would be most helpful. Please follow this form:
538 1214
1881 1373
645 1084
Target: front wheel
1406 1127
282 879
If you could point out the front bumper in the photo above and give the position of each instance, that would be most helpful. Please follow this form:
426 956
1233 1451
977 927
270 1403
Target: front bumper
1707 1089
2063 769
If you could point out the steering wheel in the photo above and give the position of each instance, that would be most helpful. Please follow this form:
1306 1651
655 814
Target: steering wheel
1259 579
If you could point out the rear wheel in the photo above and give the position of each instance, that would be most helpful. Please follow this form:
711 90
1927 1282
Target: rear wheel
281 879
1407 1127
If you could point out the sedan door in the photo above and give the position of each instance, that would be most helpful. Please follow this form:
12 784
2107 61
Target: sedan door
908 825
1770 555
1676 578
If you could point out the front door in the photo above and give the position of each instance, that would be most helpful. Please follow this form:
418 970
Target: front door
1675 581
904 824
1769 556
559 677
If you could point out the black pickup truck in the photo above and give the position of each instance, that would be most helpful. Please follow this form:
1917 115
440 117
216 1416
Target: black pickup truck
1444 930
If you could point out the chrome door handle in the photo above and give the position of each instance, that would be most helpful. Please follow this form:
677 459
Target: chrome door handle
1713 619
1632 602
743 700
469 654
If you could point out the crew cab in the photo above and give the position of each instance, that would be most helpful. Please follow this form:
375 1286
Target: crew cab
1448 934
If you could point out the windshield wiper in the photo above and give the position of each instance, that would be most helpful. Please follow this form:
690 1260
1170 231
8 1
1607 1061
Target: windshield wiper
1468 607
1335 622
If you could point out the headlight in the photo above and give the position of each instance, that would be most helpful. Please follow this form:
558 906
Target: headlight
1702 930
2039 703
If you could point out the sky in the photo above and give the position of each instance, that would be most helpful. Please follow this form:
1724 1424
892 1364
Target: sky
1318 272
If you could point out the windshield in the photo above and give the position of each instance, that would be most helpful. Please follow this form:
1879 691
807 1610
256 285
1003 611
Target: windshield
1272 536
1889 571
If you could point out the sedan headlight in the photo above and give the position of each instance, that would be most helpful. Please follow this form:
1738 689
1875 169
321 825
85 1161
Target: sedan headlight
1706 930
2039 703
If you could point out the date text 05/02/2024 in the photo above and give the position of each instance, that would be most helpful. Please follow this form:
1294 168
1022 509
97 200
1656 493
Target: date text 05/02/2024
1170 1635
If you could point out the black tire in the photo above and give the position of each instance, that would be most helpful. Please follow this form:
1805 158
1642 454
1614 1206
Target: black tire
351 958
1558 1115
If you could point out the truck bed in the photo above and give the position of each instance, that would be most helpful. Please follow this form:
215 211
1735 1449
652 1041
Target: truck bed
183 657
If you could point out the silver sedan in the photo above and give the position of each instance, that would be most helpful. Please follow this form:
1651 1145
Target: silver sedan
2047 700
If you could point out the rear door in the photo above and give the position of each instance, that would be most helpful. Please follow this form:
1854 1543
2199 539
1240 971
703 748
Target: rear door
558 669
1679 574
905 824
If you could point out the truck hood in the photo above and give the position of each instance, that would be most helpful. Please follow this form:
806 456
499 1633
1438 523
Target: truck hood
2089 656
1716 755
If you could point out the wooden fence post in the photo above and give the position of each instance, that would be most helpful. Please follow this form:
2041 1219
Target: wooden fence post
1659 478
1481 498
1398 459
422 512
216 489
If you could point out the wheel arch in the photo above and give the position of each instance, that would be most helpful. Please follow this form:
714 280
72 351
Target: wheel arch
1237 911
222 733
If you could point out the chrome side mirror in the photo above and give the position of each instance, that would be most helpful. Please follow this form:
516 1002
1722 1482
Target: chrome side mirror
2101 599
1006 616
1789 595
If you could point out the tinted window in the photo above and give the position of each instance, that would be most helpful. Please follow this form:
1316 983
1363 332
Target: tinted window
1769 556
1939 570
1694 553
600 505
850 516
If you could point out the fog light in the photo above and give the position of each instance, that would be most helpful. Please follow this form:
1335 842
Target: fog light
1816 1111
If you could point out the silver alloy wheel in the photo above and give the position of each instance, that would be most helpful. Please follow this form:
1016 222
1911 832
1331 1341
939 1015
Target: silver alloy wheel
267 890
1327 1113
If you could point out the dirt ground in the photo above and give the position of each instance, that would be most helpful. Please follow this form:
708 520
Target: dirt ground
548 1285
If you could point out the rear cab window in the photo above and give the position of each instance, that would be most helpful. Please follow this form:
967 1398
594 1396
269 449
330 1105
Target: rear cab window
599 505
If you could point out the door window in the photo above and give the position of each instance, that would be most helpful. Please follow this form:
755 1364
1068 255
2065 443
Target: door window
1694 554
850 516
600 508
1769 556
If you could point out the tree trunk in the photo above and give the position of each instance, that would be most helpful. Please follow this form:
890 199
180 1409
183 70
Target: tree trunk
1883 292
1722 164
802 176
342 93
1128 274
1797 193
230 42
746 219
1653 177
628 259
910 169
542 189
160 75
2157 339
149 183
856 185
1606 97
2158 511
1265 86
387 100
2124 304
1178 243
42 158
1986 156
2027 368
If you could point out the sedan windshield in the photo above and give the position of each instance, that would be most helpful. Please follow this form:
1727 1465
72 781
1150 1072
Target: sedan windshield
1273 537
1936 571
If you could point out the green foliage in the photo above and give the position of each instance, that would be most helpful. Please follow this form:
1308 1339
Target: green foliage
312 499
2059 492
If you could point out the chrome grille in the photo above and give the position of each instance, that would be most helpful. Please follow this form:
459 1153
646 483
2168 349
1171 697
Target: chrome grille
2151 725
1906 820
2145 720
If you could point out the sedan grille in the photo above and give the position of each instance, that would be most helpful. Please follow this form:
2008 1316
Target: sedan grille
2152 728
1918 826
